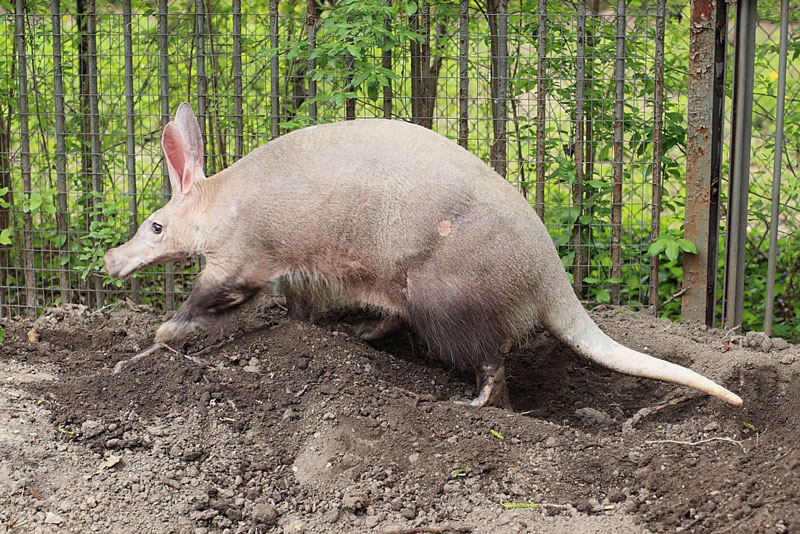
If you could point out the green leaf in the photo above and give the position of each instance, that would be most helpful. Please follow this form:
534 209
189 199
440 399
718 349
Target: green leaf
5 236
672 250
355 52
2 334
603 297
411 8
496 434
687 246
460 472
656 247
372 91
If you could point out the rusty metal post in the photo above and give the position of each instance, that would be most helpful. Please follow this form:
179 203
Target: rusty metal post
499 149
658 148
62 212
619 140
349 103
707 39
386 63
202 82
25 160
541 109
776 169
130 145
273 70
579 266
94 132
163 50
311 25
463 74
237 81
739 168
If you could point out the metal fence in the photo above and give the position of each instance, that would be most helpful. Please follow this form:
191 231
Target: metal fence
567 104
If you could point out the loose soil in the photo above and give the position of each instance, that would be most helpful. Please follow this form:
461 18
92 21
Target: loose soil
275 425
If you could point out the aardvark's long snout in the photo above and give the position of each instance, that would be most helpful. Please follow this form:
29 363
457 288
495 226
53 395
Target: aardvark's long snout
118 264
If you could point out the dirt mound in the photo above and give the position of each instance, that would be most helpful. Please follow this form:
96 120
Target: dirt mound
273 425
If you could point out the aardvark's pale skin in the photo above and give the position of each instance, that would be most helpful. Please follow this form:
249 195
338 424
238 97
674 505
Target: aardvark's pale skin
382 214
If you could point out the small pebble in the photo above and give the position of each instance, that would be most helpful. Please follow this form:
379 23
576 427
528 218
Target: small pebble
53 519
265 514
711 427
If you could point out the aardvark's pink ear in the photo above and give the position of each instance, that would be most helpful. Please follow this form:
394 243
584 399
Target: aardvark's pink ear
190 129
182 143
179 160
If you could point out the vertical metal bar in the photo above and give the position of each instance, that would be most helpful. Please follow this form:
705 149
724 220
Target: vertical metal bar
386 63
739 180
94 132
425 57
130 145
717 140
274 75
463 74
238 117
420 66
349 103
707 40
62 213
541 106
579 267
776 169
163 49
25 160
658 148
414 53
588 128
311 25
619 139
5 212
85 185
202 81
220 159
500 105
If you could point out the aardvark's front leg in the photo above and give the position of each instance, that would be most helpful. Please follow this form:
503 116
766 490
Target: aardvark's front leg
211 295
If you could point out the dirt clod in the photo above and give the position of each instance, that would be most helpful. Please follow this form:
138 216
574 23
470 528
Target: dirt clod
266 514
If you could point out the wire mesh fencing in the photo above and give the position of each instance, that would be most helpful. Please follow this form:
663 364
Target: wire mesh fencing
573 107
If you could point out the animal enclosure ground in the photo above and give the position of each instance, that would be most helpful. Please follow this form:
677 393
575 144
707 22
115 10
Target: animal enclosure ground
283 426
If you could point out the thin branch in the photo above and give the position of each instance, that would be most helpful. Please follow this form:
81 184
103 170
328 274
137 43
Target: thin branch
650 410
435 530
694 443
676 295
122 364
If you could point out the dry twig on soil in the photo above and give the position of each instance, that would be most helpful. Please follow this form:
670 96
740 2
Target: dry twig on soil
650 410
676 295
122 364
212 347
444 529
425 397
693 443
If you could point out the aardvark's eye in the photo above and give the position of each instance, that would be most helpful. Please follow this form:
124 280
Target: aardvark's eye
157 228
